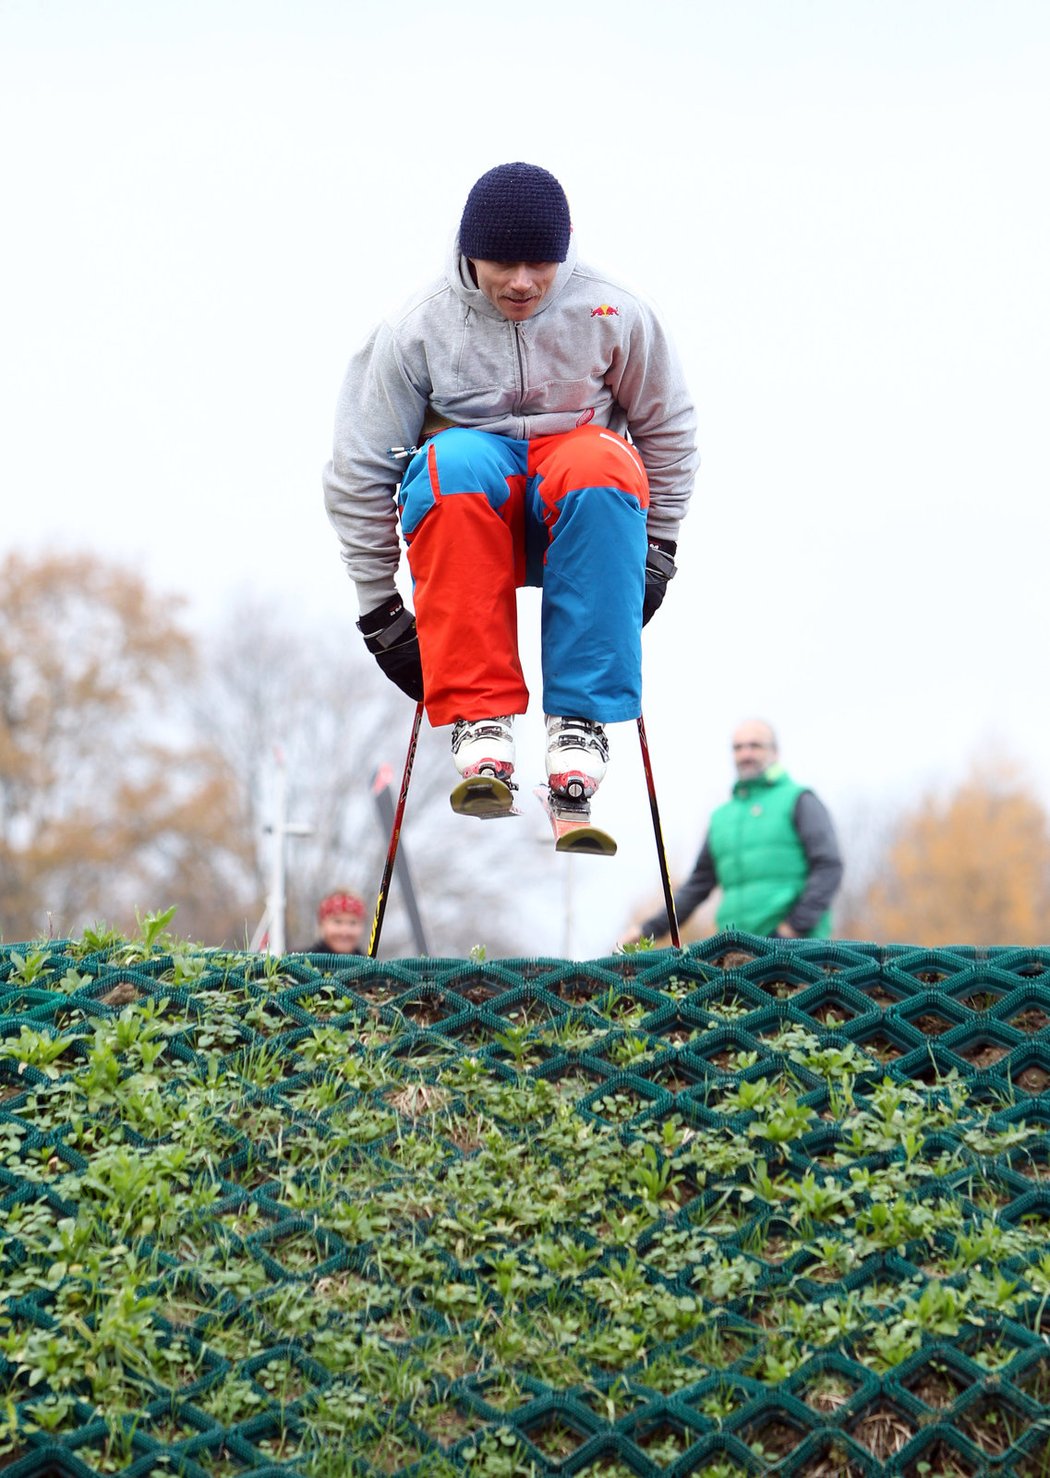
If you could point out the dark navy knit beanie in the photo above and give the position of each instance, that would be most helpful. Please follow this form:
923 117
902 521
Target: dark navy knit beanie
516 213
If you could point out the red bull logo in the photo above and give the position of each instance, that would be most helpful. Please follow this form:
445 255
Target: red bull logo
604 310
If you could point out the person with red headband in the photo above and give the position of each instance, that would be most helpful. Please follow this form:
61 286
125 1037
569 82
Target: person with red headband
522 420
341 916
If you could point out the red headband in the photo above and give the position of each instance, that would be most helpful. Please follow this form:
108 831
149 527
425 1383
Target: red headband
341 903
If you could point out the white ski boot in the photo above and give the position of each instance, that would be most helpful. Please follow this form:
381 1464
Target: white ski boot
484 746
577 756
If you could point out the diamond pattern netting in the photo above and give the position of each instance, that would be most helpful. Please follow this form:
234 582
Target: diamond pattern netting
749 1207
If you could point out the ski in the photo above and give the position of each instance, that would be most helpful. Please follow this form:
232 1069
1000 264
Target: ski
571 823
483 796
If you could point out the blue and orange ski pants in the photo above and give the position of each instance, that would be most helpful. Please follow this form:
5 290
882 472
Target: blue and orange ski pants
485 514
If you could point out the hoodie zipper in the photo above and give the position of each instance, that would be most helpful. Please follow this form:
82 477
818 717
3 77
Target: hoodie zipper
521 374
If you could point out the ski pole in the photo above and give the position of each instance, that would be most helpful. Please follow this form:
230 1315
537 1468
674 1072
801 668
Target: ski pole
395 836
672 917
385 816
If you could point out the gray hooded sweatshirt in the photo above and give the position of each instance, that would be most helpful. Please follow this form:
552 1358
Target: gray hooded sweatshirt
592 352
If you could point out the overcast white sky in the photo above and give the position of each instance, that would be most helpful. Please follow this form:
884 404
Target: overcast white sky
841 207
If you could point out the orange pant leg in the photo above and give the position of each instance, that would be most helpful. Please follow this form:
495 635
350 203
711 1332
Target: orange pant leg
462 517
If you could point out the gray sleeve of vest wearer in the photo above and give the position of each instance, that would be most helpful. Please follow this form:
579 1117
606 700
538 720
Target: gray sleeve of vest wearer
820 844
698 885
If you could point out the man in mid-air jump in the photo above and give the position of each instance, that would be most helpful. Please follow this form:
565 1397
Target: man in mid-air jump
550 440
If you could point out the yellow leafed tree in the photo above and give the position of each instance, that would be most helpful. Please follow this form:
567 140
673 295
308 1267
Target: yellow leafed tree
969 868
107 803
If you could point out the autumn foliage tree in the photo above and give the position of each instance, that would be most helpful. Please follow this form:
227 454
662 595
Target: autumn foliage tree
107 803
971 867
135 761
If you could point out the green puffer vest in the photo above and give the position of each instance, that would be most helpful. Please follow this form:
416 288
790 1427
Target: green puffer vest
758 857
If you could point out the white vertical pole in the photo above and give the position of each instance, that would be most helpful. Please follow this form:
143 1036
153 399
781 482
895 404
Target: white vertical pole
569 901
275 901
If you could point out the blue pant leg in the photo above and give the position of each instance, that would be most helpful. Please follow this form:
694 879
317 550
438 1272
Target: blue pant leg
593 589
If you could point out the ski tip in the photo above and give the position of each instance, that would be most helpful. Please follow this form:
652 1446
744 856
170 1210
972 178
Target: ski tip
482 796
571 824
586 841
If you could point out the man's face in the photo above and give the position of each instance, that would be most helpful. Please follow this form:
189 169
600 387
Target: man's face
342 932
516 288
754 750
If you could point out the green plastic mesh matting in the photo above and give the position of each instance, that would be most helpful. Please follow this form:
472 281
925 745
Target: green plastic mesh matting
751 1207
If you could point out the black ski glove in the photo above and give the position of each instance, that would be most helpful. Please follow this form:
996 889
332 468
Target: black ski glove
390 635
659 568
